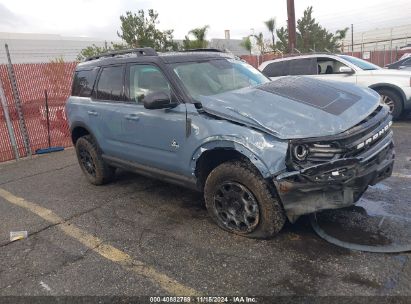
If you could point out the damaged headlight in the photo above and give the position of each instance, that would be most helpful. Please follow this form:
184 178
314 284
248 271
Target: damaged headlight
306 153
300 152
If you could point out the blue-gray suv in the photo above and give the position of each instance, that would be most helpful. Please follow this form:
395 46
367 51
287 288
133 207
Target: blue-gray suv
261 151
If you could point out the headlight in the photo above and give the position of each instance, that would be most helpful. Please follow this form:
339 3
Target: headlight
300 152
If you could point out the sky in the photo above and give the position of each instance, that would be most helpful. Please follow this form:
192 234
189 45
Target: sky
100 18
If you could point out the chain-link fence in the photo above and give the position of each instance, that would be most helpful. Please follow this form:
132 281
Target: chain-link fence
32 81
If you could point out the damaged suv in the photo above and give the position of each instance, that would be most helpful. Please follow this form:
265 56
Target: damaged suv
260 151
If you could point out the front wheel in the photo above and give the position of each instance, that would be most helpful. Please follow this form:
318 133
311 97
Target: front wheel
240 201
393 101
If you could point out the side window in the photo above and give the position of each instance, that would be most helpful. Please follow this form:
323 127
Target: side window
303 66
110 83
328 66
83 82
145 79
275 69
407 62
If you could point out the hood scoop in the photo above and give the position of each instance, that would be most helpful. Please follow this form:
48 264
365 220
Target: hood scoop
313 93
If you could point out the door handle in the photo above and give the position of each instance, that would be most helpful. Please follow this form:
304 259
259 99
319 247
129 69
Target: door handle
134 117
92 113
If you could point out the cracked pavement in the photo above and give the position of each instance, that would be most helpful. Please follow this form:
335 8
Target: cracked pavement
167 227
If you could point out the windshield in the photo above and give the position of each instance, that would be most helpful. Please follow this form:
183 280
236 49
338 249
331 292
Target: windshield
362 64
217 76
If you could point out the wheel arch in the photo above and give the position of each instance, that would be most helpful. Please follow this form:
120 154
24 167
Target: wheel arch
78 130
211 154
389 86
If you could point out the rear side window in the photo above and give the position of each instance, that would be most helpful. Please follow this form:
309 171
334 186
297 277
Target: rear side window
305 66
275 69
110 84
83 82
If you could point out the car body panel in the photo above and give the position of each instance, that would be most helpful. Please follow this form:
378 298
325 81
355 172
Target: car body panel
288 118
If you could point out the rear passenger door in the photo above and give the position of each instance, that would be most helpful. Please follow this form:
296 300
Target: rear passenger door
107 95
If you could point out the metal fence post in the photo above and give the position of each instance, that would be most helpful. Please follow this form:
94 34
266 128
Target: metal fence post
8 122
16 96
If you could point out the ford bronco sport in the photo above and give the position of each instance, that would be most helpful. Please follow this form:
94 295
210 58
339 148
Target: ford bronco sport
260 151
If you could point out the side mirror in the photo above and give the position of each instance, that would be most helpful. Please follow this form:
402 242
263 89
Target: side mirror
346 70
158 100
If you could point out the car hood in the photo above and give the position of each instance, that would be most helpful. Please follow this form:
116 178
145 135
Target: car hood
295 107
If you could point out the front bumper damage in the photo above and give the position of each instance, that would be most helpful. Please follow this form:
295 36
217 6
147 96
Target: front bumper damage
334 184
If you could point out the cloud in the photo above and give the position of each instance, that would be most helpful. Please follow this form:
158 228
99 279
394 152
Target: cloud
8 19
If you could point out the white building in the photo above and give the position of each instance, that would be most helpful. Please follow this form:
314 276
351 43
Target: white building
380 39
35 48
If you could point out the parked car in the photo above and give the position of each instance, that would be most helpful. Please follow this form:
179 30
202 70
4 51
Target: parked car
260 151
402 64
393 86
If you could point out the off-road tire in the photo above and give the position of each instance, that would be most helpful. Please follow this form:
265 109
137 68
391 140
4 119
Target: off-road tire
103 173
396 102
271 216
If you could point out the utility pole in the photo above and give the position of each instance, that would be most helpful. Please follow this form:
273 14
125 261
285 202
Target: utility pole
291 26
352 39
391 45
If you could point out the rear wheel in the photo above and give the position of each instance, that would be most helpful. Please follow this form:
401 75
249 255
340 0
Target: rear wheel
91 162
393 101
240 201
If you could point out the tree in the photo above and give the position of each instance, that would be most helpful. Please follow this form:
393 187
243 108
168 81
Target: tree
137 30
140 30
95 50
246 43
341 34
259 40
310 35
200 41
270 24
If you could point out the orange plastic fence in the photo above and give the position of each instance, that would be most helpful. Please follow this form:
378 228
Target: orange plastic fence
32 81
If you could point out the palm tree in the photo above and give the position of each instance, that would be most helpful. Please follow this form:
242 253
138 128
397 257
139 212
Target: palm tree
260 42
340 35
270 24
246 43
200 34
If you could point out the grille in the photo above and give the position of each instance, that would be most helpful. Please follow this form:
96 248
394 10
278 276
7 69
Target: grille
350 143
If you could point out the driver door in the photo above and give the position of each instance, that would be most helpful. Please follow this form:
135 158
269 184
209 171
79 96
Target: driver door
329 69
150 137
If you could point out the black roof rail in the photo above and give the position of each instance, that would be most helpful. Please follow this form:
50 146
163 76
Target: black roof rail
204 50
146 51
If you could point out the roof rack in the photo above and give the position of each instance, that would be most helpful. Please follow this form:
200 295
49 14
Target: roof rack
146 51
204 50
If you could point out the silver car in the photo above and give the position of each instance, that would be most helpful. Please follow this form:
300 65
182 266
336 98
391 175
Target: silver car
394 86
